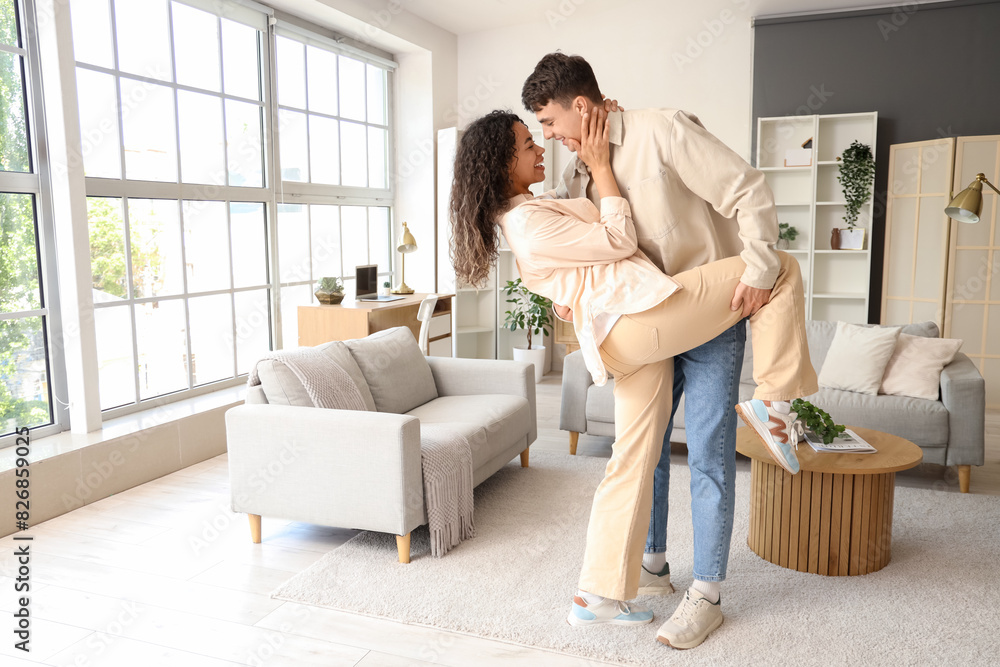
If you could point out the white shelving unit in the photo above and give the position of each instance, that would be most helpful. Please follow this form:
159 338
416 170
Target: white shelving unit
811 200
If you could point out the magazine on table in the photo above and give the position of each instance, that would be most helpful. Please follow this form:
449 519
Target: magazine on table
848 441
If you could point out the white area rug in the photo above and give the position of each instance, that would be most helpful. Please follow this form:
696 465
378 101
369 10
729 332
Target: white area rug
937 602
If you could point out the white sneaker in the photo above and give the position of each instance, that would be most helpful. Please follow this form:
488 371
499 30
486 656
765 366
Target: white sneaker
615 612
693 621
776 427
651 583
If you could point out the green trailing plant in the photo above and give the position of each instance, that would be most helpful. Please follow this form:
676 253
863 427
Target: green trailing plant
817 420
787 232
529 312
333 285
857 173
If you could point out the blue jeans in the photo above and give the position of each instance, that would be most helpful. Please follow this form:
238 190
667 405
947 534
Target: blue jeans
709 375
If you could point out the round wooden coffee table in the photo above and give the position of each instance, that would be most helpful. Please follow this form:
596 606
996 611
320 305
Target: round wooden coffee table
835 516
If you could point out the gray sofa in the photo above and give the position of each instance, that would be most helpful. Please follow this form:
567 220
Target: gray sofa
362 469
950 430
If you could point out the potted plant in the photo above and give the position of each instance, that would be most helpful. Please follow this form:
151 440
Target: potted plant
531 313
857 173
331 291
386 287
786 234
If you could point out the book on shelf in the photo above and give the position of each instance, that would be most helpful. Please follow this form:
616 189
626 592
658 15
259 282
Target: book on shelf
848 441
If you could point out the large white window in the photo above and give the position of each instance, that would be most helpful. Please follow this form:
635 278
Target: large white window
334 190
26 375
172 117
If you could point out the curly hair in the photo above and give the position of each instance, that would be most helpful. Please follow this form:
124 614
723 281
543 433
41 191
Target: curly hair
479 194
559 78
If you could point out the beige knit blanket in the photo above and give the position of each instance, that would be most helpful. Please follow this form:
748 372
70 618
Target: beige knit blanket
445 456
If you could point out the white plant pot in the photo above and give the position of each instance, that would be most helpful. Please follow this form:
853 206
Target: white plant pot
536 356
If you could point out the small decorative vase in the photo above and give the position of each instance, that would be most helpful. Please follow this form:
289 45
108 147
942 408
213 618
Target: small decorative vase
835 239
329 298
782 244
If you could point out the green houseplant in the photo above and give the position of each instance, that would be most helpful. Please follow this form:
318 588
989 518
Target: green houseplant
530 312
330 291
857 173
817 420
786 234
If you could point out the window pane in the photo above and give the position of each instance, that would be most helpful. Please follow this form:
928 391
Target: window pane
13 131
291 63
24 376
240 60
291 299
324 150
294 154
354 232
143 38
353 154
293 243
377 140
115 364
378 238
376 95
203 158
325 241
322 80
253 328
99 124
18 255
107 249
205 243
249 244
211 320
8 23
92 32
196 47
150 140
243 144
155 237
352 88
162 343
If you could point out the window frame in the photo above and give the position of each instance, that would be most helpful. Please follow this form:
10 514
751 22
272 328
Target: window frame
37 184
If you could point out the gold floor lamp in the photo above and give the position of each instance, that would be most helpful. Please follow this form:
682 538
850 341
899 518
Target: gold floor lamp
407 244
968 205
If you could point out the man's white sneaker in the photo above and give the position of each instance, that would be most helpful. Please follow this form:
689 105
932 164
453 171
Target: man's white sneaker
607 610
693 621
776 427
651 583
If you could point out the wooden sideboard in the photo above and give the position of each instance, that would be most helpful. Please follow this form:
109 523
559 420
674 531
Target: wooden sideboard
357 319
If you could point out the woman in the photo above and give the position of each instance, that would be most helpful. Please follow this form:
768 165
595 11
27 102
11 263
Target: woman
630 319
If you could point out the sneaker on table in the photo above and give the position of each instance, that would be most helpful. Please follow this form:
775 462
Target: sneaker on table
777 427
695 619
615 612
655 583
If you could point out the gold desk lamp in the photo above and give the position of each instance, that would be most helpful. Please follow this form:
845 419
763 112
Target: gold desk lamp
968 204
407 244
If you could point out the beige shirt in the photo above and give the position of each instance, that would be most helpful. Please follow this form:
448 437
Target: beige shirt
568 251
693 199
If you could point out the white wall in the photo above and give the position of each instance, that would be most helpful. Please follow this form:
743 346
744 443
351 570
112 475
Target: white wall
692 56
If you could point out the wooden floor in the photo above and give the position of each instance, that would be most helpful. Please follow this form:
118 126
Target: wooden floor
164 574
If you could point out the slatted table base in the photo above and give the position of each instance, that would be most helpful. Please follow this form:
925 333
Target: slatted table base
824 523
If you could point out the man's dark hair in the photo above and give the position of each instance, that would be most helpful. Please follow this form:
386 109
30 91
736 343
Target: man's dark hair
560 78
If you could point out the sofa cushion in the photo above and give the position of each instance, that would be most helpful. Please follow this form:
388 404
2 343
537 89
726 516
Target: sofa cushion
505 419
394 367
857 357
916 364
281 387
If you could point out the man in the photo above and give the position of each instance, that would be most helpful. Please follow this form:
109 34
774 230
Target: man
693 201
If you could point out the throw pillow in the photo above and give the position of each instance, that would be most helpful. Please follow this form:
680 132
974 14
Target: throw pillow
916 364
857 357
282 387
397 373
